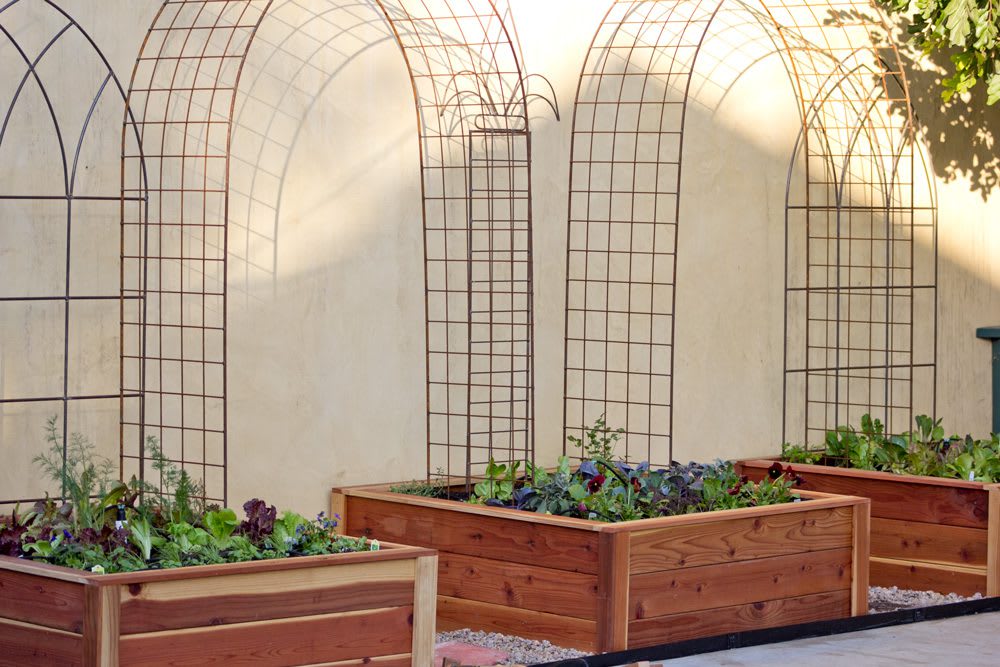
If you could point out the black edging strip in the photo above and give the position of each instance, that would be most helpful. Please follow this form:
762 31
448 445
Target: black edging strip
783 634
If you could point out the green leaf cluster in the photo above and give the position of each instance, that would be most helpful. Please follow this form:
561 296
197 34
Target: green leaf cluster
605 488
924 450
970 27
108 526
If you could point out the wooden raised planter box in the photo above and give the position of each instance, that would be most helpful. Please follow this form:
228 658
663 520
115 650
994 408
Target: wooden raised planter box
374 607
927 533
606 587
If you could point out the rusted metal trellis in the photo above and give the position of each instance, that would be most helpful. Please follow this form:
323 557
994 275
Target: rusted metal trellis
471 102
852 213
55 174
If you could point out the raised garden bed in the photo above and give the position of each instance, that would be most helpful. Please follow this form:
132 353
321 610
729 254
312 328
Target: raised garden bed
605 587
374 607
927 533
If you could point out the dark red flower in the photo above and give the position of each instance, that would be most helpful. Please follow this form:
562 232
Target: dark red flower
775 471
736 489
636 484
595 483
793 476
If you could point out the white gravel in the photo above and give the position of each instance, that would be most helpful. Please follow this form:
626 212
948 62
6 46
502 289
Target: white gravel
893 599
521 651
527 652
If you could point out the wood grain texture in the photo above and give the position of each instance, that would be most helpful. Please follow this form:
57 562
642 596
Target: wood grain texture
42 601
744 582
518 585
613 592
454 614
755 616
913 540
298 641
493 537
901 497
741 539
29 645
237 598
388 552
860 556
100 626
916 575
382 492
338 508
402 660
993 546
424 610
54 572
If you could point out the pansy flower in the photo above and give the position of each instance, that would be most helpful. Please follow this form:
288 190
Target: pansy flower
595 483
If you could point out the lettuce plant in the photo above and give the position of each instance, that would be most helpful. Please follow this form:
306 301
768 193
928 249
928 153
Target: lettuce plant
924 450
163 528
604 488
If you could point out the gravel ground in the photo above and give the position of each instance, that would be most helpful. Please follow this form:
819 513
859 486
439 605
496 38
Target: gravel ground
892 599
521 651
528 652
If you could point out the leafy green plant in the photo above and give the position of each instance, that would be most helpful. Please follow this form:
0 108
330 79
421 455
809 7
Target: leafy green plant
82 474
799 454
433 488
600 440
970 27
167 528
177 496
499 483
605 489
923 451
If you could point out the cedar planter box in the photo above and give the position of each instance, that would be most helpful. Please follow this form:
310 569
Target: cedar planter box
373 607
606 587
927 533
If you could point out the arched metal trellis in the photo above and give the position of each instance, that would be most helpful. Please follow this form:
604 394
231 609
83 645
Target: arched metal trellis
859 171
60 289
471 103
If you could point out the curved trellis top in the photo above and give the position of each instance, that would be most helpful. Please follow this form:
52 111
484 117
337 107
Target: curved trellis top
56 169
860 301
471 101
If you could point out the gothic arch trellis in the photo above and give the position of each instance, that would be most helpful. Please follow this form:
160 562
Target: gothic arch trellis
471 100
72 189
852 299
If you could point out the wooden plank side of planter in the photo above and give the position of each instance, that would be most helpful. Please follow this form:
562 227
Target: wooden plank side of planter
472 534
754 616
239 598
24 644
517 585
923 576
915 540
741 539
993 538
306 640
690 589
42 601
455 614
901 497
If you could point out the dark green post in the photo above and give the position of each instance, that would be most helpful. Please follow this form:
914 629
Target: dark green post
992 334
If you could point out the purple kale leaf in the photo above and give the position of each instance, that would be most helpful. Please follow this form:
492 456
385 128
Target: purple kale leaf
260 519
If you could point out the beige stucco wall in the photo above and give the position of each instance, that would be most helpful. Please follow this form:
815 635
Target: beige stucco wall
326 366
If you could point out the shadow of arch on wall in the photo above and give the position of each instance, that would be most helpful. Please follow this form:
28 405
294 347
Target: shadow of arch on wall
471 103
58 178
861 243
